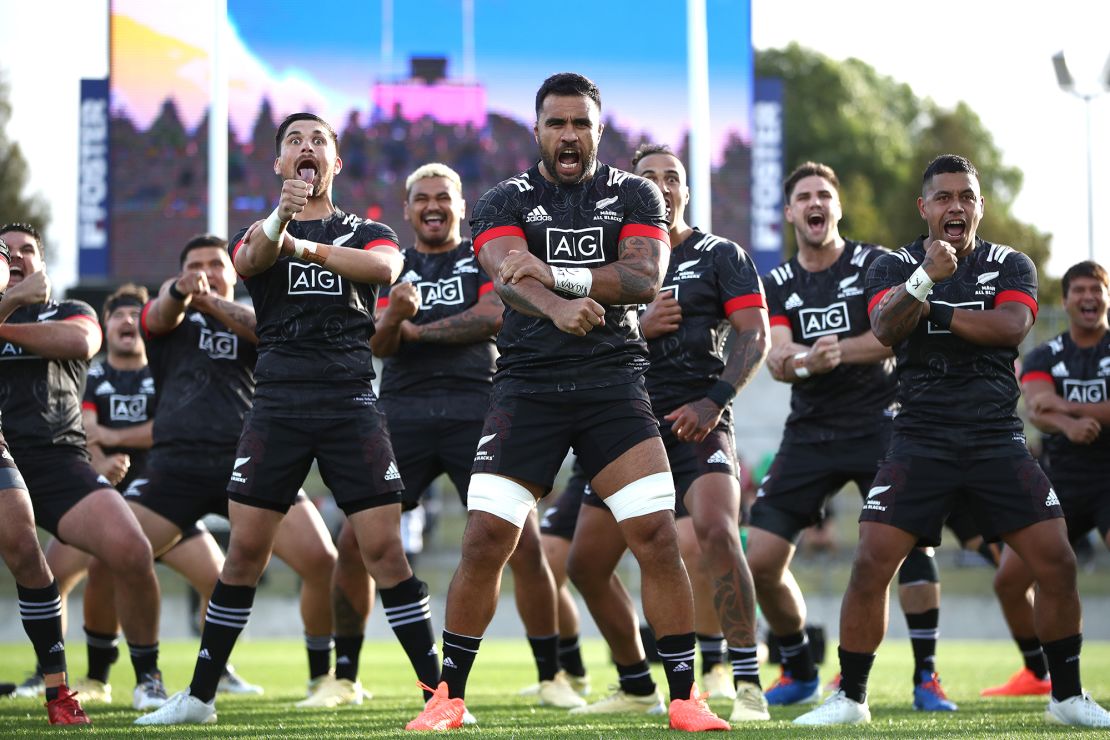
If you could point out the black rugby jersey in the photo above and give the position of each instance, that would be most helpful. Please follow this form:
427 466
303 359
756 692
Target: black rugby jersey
41 399
204 374
958 399
571 226
120 399
1079 375
314 326
710 277
449 283
851 399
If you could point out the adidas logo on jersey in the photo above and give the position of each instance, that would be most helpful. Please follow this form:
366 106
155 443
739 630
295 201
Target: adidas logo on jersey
536 215
391 473
105 388
412 276
717 458
1060 370
794 301
1052 499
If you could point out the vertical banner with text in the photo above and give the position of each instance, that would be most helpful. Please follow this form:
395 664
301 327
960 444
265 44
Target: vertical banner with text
768 151
92 185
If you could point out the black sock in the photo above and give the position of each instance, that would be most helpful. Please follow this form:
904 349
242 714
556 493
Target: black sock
712 649
570 656
41 612
797 656
144 659
319 649
1033 655
228 612
923 637
459 652
103 651
348 648
745 664
1063 666
854 670
409 614
545 651
636 679
677 652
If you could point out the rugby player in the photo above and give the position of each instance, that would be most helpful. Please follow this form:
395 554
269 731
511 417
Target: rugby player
46 349
842 405
39 601
955 308
313 272
1064 381
572 245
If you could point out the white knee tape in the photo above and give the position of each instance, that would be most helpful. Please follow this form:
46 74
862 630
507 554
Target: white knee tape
647 495
501 497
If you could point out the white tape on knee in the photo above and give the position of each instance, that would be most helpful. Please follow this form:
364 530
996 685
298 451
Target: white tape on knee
647 495
501 497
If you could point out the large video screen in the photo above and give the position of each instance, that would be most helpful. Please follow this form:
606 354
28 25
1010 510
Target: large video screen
404 84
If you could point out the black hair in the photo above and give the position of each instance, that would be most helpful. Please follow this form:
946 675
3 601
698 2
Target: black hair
303 116
567 83
199 241
809 169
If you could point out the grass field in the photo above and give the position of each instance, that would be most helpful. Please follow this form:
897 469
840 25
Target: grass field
504 666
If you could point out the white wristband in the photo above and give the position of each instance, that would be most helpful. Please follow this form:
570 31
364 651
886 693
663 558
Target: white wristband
919 284
273 227
799 363
303 246
574 280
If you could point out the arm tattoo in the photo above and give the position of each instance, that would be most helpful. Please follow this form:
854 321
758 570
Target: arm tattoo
744 359
637 267
467 327
897 315
239 313
513 296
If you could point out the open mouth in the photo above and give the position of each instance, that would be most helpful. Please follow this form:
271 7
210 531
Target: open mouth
434 219
306 170
815 220
955 229
569 159
1090 312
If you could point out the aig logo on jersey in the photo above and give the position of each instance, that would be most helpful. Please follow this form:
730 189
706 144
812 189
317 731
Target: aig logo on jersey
131 409
575 246
441 293
220 345
309 279
817 322
1085 391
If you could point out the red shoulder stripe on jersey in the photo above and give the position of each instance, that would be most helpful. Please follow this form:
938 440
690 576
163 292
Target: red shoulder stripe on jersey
1016 296
648 230
487 236
86 318
1037 375
147 333
752 300
875 301
89 405
235 252
484 288
383 302
382 243
780 321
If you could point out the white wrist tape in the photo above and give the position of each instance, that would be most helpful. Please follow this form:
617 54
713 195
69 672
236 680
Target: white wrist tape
273 227
303 246
800 369
647 495
919 284
574 280
504 498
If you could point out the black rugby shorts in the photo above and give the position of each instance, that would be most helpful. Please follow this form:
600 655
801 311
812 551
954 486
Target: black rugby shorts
690 461
57 480
1003 494
561 517
180 496
10 476
1086 502
805 475
427 448
526 435
353 453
